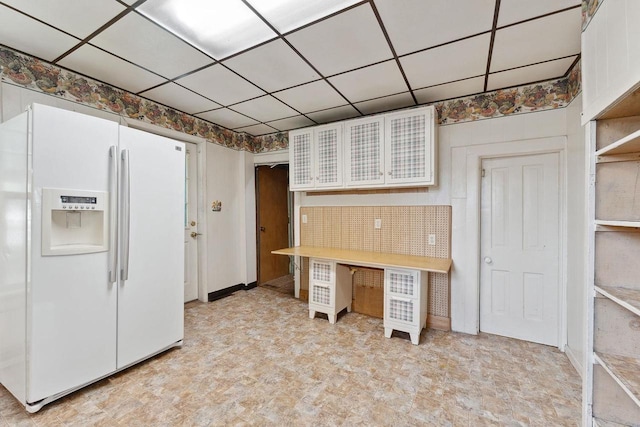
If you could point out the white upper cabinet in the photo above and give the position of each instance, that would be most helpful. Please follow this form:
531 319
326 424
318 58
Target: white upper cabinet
328 155
409 147
364 152
301 159
610 56
389 150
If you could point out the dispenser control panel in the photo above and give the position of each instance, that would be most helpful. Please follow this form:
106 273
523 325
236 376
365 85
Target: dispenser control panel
74 221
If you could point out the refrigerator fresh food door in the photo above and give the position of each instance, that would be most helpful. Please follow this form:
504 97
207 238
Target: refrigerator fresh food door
151 272
71 315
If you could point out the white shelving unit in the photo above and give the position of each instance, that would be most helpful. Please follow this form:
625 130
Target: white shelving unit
329 288
613 377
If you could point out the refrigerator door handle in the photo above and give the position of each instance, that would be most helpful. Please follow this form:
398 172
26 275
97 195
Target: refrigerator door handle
113 215
126 215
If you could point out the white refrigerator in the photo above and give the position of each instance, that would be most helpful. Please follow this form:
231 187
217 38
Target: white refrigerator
92 259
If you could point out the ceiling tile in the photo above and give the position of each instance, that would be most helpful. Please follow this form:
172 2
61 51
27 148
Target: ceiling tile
314 96
256 130
144 43
273 66
220 28
334 114
291 123
287 15
227 118
370 82
386 103
450 90
346 41
178 97
419 24
28 35
551 37
264 109
532 73
220 85
513 11
455 61
77 18
93 62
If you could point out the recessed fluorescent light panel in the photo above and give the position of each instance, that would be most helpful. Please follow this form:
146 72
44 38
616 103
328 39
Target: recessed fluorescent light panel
287 15
217 27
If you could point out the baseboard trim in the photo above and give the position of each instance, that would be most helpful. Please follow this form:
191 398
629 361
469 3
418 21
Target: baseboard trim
573 359
225 292
212 296
438 322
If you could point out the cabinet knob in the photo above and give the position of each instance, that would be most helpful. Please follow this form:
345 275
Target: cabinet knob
381 173
390 173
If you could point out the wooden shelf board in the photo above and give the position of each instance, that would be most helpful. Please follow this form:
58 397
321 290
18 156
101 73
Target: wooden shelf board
627 298
370 259
624 370
626 224
628 144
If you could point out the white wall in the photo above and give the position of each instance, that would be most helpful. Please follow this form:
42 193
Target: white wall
458 145
577 159
226 231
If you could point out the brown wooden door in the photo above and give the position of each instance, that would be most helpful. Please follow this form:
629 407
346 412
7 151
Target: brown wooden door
273 221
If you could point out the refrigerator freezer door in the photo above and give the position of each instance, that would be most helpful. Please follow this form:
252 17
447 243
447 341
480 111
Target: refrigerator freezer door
71 323
150 301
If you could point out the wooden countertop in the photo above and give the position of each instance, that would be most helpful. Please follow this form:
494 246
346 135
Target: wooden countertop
370 259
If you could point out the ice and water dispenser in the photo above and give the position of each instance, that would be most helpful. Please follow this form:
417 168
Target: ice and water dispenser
74 221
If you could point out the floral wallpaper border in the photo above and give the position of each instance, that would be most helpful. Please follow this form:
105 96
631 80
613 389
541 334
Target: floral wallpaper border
34 74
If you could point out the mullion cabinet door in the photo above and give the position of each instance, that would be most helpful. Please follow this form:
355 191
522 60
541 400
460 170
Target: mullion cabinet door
409 147
328 156
301 159
364 152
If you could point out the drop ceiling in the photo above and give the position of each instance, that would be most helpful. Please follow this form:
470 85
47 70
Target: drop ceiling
263 66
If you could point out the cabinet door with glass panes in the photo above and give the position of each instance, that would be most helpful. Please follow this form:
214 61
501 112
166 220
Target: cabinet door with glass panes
301 159
410 147
364 152
328 155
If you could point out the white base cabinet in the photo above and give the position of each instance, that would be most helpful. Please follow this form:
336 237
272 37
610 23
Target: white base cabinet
405 302
329 288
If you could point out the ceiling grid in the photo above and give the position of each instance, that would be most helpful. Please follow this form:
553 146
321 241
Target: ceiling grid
285 64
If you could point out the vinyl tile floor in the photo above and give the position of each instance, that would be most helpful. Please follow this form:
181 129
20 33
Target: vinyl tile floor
255 358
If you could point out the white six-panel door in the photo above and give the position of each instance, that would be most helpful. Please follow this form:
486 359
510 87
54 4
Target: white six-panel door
519 274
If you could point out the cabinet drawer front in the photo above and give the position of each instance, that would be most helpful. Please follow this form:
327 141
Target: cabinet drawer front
322 271
321 294
402 310
401 283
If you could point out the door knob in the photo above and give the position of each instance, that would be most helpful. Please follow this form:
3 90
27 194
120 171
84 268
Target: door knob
487 260
262 229
194 234
193 223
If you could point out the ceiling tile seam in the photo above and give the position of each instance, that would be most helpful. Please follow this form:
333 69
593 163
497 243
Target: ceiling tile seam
494 26
253 118
573 64
324 18
534 63
323 77
98 31
39 20
393 50
449 82
175 79
540 16
262 96
444 44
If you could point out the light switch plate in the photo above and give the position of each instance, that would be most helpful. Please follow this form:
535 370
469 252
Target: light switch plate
304 219
432 239
377 223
